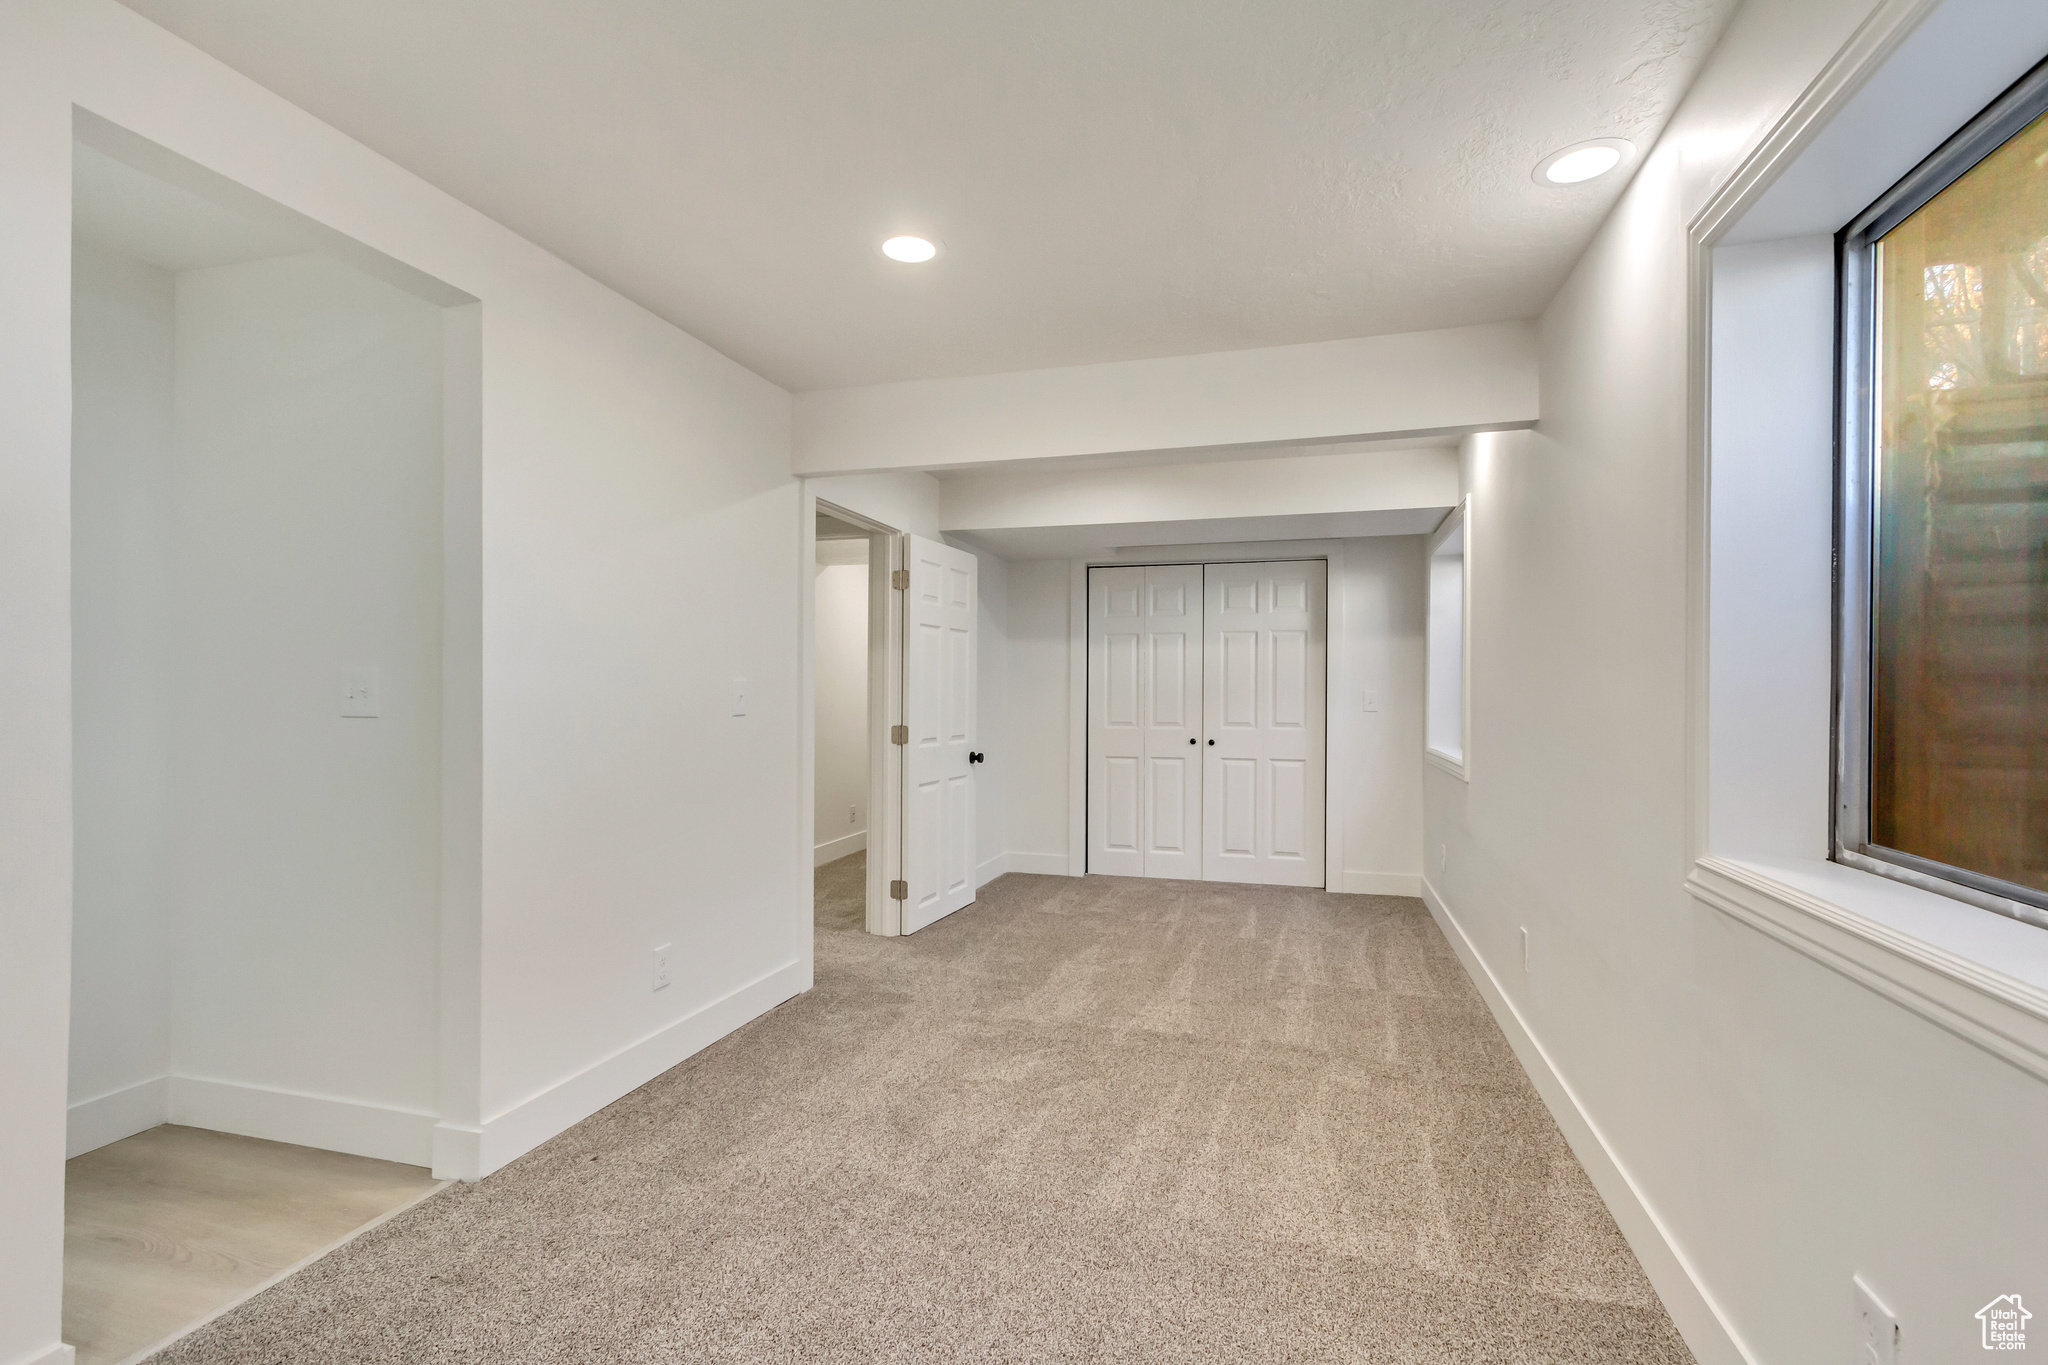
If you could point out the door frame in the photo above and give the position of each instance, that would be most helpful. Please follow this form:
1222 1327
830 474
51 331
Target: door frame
1338 721
885 706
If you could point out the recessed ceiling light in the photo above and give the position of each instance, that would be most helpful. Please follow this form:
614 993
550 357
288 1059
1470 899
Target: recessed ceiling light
1583 161
909 250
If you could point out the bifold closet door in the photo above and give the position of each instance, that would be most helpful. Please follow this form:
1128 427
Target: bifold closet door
1263 659
1144 721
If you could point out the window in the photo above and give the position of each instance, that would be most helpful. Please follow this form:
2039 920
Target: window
1444 725
1942 728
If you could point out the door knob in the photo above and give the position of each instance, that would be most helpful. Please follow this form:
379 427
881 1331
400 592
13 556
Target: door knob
973 757
1212 743
1191 739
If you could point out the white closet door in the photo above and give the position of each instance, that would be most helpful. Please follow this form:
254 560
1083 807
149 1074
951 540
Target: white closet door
1263 659
938 707
1173 721
1144 721
1116 724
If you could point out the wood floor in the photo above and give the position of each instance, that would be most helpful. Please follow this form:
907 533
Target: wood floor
167 1227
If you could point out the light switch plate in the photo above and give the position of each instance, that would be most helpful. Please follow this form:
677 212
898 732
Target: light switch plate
1877 1330
739 696
359 692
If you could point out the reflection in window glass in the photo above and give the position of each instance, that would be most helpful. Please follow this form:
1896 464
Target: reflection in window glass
1959 681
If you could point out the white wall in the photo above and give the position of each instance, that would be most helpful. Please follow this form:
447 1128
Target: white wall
308 537
1764 1127
1035 733
1376 646
1773 588
1289 485
1375 758
259 878
906 501
1442 382
122 619
639 541
841 589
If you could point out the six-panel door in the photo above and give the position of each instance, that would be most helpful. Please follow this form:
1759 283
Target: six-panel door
1145 716
1263 664
938 704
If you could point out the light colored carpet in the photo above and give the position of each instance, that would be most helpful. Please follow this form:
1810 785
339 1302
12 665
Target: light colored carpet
1093 1119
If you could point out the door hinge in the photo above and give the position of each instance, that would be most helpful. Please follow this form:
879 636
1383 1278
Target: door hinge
899 734
899 891
900 579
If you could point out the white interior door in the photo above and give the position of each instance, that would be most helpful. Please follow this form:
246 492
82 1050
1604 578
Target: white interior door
1263 661
938 711
1116 731
1145 717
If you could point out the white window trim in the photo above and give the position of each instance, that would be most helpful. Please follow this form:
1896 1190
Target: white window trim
1437 758
1930 953
1890 936
1458 765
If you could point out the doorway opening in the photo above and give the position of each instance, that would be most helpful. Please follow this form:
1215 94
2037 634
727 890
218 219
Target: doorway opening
856 699
260 486
1206 721
843 762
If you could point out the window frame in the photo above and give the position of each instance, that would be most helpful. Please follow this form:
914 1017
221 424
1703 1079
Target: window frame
1856 506
1457 524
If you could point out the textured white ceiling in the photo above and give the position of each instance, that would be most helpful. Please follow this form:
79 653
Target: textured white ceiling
1108 179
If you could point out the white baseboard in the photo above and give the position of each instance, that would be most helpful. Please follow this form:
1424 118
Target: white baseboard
458 1152
1043 864
91 1124
991 869
515 1131
832 850
258 1111
1692 1308
60 1354
334 1125
1379 883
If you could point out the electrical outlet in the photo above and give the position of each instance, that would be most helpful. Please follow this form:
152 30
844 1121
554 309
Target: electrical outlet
1877 1330
661 967
1525 948
853 815
739 696
1372 702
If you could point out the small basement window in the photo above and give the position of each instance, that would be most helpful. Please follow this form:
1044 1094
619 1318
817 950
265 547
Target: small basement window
1942 732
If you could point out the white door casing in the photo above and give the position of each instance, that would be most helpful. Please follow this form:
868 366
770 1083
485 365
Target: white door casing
938 710
1263 663
1145 715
